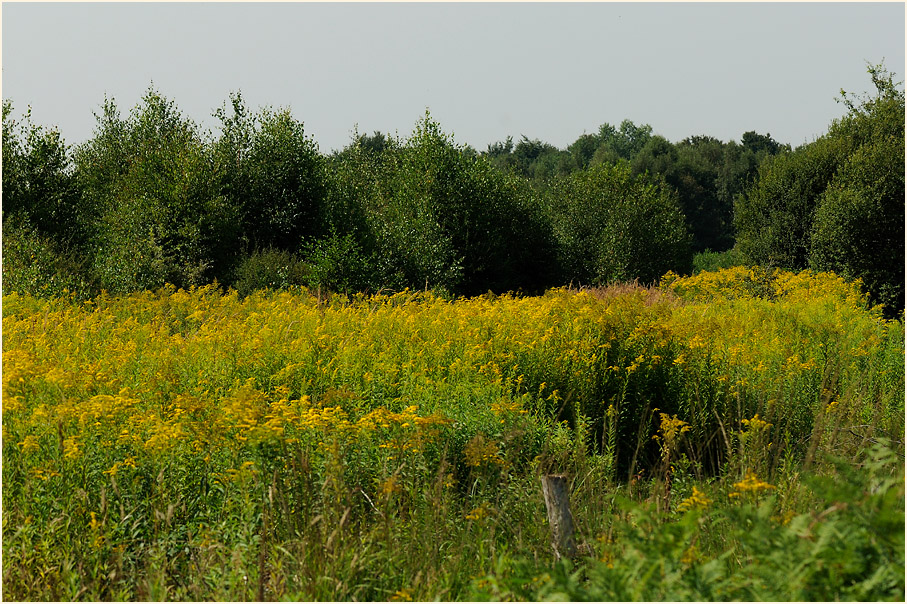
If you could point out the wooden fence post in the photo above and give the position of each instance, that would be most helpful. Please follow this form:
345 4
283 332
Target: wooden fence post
557 503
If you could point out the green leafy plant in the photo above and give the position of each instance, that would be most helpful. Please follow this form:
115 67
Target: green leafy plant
612 226
270 269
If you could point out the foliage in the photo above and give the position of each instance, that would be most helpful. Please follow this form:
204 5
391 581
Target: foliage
271 174
858 229
437 216
271 268
42 222
37 178
340 265
147 188
529 158
837 203
194 445
707 175
151 200
774 218
612 226
850 547
712 261
35 264
540 161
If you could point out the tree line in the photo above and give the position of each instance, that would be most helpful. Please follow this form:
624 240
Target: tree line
151 199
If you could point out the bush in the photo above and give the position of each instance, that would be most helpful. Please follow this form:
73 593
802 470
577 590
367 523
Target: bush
269 269
35 264
38 180
339 264
774 218
271 173
437 216
858 230
712 261
612 226
837 203
155 215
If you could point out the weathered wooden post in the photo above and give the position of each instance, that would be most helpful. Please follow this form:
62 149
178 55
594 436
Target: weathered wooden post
557 503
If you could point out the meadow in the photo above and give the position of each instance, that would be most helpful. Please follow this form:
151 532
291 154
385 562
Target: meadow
737 434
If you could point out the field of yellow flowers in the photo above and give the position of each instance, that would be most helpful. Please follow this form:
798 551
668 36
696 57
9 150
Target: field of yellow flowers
195 445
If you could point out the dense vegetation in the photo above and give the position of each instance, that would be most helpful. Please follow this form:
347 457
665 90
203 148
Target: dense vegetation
151 199
838 203
734 435
237 368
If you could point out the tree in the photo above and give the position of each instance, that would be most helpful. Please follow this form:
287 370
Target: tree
272 174
439 215
858 229
837 203
500 149
146 181
774 218
38 179
614 226
626 141
707 175
658 156
700 160
583 150
533 158
760 143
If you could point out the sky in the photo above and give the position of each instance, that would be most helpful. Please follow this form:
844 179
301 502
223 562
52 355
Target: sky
485 71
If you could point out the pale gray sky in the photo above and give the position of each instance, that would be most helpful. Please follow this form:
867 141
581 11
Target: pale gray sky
485 71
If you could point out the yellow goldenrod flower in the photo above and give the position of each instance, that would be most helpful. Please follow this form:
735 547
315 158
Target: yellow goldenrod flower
71 448
750 484
697 500
30 444
483 511
402 595
756 424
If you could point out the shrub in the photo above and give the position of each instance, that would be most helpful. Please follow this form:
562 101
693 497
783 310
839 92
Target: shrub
147 184
36 264
339 264
269 269
437 216
38 179
837 203
612 226
271 173
858 230
774 218
712 261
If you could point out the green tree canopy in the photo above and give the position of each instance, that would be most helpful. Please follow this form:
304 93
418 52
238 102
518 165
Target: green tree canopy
38 183
270 172
437 214
614 226
837 203
858 229
146 182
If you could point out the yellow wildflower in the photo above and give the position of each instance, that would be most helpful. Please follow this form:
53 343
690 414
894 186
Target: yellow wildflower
71 448
483 511
697 500
402 595
750 484
756 424
389 486
30 444
480 451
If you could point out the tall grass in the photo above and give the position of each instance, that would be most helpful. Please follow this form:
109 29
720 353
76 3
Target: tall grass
195 445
